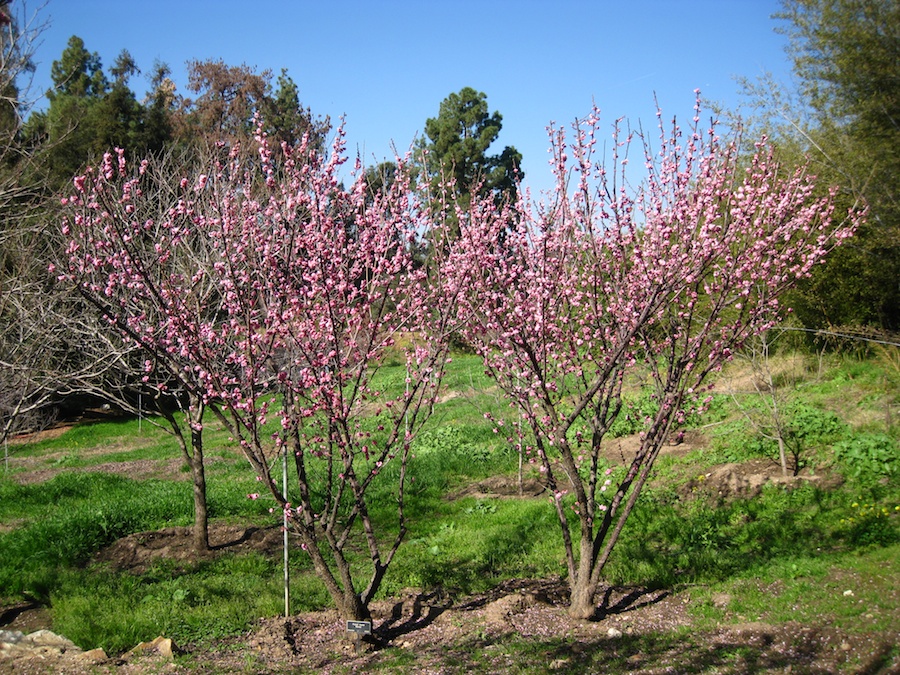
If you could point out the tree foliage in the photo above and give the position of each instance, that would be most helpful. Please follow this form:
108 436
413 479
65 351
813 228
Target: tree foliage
92 111
845 56
228 99
89 114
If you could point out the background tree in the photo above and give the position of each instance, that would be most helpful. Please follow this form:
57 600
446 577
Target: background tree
78 84
89 114
455 152
226 99
161 108
134 265
286 120
17 36
29 346
845 56
380 178
768 413
604 288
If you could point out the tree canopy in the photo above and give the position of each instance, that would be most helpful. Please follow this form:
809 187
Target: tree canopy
846 58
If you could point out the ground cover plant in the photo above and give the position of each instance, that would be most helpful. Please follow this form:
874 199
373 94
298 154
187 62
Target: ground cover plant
696 555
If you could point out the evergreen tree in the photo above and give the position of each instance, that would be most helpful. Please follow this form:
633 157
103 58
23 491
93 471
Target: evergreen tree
286 120
90 114
78 73
458 140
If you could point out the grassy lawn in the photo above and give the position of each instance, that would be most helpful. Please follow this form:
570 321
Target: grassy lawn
822 549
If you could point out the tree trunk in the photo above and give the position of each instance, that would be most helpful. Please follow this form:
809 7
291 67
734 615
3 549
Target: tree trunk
348 603
782 455
581 601
582 588
193 456
198 476
352 608
201 518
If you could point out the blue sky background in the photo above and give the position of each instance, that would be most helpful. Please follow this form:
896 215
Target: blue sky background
387 64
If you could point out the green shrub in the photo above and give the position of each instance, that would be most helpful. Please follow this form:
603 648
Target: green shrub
869 458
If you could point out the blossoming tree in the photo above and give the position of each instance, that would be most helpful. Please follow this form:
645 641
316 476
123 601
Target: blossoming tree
272 295
128 259
600 285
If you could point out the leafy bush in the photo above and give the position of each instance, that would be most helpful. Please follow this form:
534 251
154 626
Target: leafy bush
809 426
869 458
636 410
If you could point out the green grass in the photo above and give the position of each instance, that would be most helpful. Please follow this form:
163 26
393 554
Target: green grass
788 554
64 521
669 542
204 602
855 589
472 545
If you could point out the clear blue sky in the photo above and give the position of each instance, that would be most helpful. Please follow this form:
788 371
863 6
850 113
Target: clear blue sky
387 64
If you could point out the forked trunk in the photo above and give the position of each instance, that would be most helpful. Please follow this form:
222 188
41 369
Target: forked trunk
348 603
352 608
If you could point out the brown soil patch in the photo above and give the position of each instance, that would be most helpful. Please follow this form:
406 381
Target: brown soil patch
136 553
747 479
43 435
497 487
138 469
622 450
26 617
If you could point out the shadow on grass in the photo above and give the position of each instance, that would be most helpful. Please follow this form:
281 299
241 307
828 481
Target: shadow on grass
10 614
746 652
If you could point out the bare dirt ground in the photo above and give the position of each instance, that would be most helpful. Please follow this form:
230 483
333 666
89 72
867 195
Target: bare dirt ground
432 633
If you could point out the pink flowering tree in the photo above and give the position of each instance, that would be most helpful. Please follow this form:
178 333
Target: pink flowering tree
600 285
271 295
132 260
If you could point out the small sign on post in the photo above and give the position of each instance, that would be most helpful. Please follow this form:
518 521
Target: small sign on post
359 627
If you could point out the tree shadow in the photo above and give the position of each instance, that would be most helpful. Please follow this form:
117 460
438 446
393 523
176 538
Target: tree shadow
553 592
9 614
632 600
744 654
242 538
426 607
